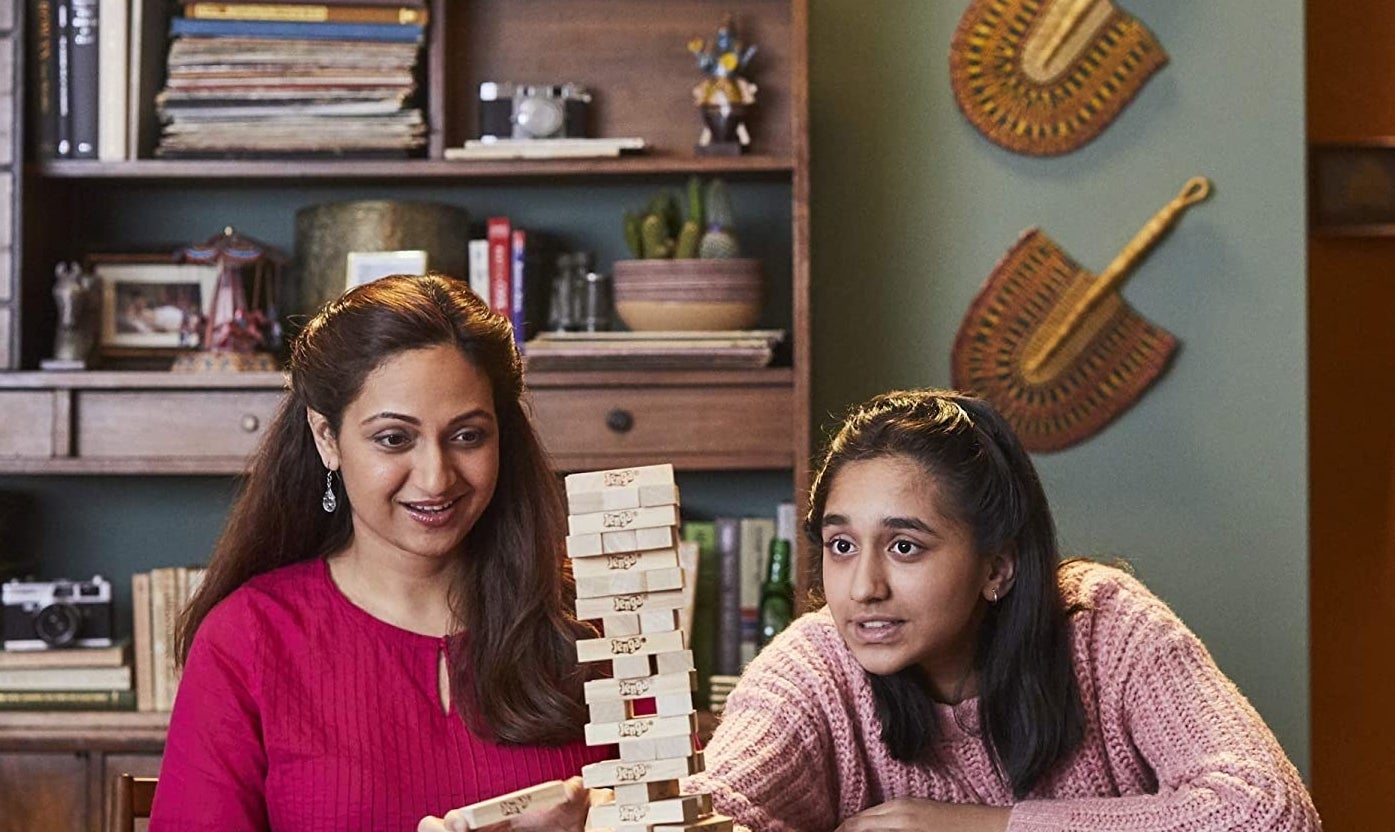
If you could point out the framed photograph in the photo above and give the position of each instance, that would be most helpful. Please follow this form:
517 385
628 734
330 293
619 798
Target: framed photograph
1353 188
153 306
368 266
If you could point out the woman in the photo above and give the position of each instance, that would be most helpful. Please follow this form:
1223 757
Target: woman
384 630
962 678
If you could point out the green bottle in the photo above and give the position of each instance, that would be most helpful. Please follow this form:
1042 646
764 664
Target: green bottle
776 594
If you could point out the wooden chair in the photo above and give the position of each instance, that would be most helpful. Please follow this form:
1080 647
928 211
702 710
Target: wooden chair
131 798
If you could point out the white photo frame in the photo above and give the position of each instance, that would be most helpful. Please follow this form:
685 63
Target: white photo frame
154 305
367 266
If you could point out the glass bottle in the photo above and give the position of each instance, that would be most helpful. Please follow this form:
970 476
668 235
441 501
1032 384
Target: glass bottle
776 594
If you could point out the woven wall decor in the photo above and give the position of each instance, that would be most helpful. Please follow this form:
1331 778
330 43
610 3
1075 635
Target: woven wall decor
1044 77
1055 348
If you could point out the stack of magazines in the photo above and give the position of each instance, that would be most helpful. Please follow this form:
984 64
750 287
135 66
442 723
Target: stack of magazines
274 87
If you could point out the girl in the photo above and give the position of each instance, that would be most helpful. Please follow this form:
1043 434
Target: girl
962 678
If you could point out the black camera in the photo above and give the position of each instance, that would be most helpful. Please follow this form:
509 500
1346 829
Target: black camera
529 111
42 614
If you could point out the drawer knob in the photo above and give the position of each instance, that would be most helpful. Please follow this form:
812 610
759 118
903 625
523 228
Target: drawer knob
619 420
250 423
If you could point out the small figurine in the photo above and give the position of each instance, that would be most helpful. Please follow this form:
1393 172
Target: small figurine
243 330
72 342
724 96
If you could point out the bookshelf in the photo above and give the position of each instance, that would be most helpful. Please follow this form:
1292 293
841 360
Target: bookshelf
113 423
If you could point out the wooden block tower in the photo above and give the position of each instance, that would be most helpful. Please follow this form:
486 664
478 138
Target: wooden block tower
622 540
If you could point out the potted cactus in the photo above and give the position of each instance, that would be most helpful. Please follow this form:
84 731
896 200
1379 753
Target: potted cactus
687 272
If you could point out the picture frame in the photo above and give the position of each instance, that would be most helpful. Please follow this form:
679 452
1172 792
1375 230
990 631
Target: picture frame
367 266
151 304
1352 188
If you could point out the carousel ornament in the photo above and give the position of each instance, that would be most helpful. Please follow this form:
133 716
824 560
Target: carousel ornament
243 331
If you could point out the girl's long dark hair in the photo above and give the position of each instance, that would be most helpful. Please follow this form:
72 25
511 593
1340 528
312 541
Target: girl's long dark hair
516 677
1029 704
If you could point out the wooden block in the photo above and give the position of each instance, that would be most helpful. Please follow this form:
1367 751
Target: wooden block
685 809
585 545
630 518
605 690
679 661
658 621
604 733
503 807
674 704
625 562
618 772
619 478
637 540
664 494
598 649
639 602
616 583
645 792
630 667
624 624
661 580
656 748
607 499
609 712
712 823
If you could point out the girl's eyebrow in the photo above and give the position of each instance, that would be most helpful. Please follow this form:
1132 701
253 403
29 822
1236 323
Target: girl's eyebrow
911 523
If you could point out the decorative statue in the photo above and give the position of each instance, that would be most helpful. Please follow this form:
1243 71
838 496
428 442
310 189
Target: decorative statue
725 96
73 293
243 332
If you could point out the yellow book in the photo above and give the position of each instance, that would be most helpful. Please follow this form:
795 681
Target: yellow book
298 13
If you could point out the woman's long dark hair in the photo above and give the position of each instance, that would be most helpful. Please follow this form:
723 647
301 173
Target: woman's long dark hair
516 676
1029 704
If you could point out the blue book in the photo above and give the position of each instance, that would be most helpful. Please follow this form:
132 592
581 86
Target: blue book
290 30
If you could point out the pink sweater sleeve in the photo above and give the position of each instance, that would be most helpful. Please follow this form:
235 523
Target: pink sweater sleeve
214 770
1218 766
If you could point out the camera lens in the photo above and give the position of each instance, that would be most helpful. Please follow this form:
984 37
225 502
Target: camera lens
57 624
539 117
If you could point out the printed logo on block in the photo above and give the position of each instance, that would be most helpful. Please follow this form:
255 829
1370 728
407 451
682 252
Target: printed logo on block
634 811
624 561
625 646
631 774
628 603
618 519
616 478
634 687
516 806
635 728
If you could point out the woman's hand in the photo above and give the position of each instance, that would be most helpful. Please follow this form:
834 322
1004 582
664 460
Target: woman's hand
909 814
566 817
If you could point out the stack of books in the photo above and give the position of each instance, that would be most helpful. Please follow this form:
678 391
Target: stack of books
741 349
157 598
71 679
290 79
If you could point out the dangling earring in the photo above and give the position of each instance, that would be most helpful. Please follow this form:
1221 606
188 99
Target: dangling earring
329 502
992 597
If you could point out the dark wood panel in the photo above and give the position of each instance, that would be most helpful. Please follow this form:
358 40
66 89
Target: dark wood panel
40 791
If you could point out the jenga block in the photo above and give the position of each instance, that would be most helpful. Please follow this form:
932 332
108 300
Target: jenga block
662 580
629 518
663 494
608 712
606 499
685 809
589 608
503 807
604 690
629 667
620 478
587 567
713 823
679 661
618 583
637 540
604 733
598 649
674 704
585 545
646 792
658 621
625 624
656 748
618 772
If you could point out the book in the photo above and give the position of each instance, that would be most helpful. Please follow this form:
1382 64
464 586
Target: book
728 531
117 655
544 148
499 234
141 642
83 63
478 269
708 585
66 700
276 29
307 12
113 83
65 678
43 81
63 46
756 534
652 350
163 612
534 264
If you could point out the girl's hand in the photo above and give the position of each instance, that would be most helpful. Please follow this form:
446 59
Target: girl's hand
566 817
909 814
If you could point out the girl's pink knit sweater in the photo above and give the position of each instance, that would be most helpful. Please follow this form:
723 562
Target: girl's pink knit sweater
1170 743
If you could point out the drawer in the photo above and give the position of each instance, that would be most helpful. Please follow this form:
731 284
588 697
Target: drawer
26 422
692 427
189 424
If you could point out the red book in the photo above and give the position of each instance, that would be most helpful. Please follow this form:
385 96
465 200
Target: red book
500 266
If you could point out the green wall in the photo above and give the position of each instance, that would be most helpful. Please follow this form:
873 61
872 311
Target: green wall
1203 484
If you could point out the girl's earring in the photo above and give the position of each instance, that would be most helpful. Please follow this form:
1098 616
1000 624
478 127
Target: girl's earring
992 593
329 502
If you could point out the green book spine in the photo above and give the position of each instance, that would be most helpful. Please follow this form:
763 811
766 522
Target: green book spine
704 635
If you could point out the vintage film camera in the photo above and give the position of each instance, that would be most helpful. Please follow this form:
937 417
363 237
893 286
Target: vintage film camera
528 111
39 615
